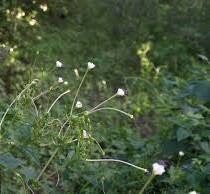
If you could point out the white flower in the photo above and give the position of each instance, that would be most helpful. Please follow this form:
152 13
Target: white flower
193 192
32 22
120 92
78 104
60 80
157 70
20 14
85 134
181 153
11 50
59 64
43 7
158 169
91 65
131 116
65 83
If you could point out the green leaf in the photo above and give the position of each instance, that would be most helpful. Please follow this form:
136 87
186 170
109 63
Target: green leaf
200 90
22 134
207 169
205 146
171 147
28 172
31 153
9 161
182 134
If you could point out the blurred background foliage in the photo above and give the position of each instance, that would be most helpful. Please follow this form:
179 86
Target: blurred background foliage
156 49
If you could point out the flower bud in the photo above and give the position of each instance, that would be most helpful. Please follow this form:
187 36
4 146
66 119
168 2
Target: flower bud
60 80
78 104
181 153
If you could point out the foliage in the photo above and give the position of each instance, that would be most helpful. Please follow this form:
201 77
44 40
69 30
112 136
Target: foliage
157 50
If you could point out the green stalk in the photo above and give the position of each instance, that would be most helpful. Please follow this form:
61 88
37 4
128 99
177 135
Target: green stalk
102 103
66 92
75 97
102 151
16 99
147 183
119 161
110 108
73 103
47 164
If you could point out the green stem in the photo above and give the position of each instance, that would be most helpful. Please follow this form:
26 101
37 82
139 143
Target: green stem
47 164
66 92
17 98
102 151
116 160
147 183
178 162
23 183
53 87
50 159
110 108
102 103
73 103
35 108
77 92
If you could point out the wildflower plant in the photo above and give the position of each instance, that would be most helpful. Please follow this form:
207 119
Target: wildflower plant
50 134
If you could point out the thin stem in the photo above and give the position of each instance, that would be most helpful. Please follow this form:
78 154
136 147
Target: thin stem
58 177
66 92
77 92
179 159
23 183
48 162
35 108
102 151
103 189
115 160
73 103
63 125
110 108
29 188
17 98
52 121
44 92
147 183
102 103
